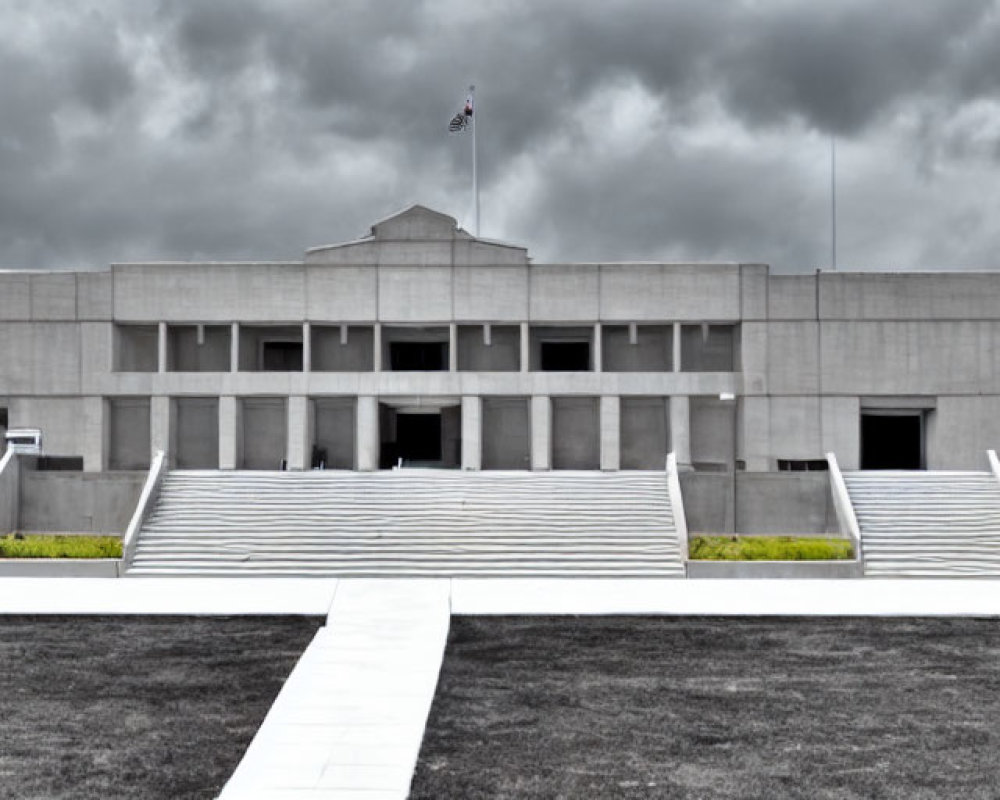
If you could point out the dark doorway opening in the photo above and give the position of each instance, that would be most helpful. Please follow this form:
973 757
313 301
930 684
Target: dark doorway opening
417 440
418 356
281 357
892 440
3 430
418 437
565 356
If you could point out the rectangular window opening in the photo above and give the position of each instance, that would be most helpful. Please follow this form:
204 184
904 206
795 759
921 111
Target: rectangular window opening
418 356
565 356
281 356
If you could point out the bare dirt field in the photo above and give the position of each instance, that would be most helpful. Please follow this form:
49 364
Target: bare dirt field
645 707
136 707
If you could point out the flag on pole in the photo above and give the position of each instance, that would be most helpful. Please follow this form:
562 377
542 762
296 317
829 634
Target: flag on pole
461 120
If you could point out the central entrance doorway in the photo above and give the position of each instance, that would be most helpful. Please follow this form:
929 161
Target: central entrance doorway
420 436
892 439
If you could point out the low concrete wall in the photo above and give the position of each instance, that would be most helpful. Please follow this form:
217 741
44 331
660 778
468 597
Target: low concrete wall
78 502
797 503
59 567
9 470
765 570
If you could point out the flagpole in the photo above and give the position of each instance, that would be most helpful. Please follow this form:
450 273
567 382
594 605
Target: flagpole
833 201
475 164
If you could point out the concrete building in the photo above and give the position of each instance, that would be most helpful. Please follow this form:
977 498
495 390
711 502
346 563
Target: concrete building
423 345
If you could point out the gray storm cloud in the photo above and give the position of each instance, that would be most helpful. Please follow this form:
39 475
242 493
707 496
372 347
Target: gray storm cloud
682 130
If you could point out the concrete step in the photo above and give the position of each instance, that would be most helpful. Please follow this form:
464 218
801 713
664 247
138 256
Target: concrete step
927 523
410 522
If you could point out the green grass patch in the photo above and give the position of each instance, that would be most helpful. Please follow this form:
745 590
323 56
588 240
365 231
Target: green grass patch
15 545
768 548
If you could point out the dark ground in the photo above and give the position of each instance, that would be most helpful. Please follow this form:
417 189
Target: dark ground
136 707
642 707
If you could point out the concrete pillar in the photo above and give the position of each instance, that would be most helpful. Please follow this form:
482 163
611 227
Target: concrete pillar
298 448
367 434
472 433
234 352
525 347
680 429
377 357
160 426
452 347
677 347
95 434
541 433
611 411
229 432
306 347
598 349
161 347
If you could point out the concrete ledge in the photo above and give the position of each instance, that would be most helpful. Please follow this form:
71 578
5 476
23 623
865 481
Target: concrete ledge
59 567
750 570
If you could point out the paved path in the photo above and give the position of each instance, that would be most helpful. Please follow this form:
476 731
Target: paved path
869 596
349 721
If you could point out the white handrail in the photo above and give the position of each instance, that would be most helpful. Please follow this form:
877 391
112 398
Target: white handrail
9 472
846 518
150 491
677 505
994 463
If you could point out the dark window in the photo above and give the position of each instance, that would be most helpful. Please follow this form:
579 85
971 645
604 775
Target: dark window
281 357
3 417
565 356
892 441
59 464
803 465
418 356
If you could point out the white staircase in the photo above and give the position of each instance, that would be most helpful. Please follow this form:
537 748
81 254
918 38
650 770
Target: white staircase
410 522
944 524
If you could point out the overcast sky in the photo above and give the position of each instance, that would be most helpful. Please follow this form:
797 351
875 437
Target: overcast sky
670 130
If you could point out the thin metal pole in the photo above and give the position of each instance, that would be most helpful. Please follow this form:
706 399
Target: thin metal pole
475 164
833 200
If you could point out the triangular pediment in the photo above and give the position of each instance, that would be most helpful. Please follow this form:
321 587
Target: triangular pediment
417 223
418 236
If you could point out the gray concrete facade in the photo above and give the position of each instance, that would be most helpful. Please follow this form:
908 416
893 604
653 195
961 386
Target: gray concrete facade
254 364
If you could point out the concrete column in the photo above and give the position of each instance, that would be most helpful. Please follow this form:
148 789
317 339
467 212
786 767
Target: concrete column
598 349
161 347
229 432
525 347
680 429
472 433
95 434
377 356
541 433
452 347
160 426
367 434
611 411
677 347
306 347
299 435
234 351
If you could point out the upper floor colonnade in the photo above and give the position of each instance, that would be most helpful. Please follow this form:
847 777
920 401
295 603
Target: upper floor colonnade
446 347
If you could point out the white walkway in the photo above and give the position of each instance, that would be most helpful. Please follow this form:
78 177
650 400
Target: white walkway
349 721
868 596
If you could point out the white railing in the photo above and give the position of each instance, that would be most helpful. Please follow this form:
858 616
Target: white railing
150 491
677 505
9 492
846 518
994 463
